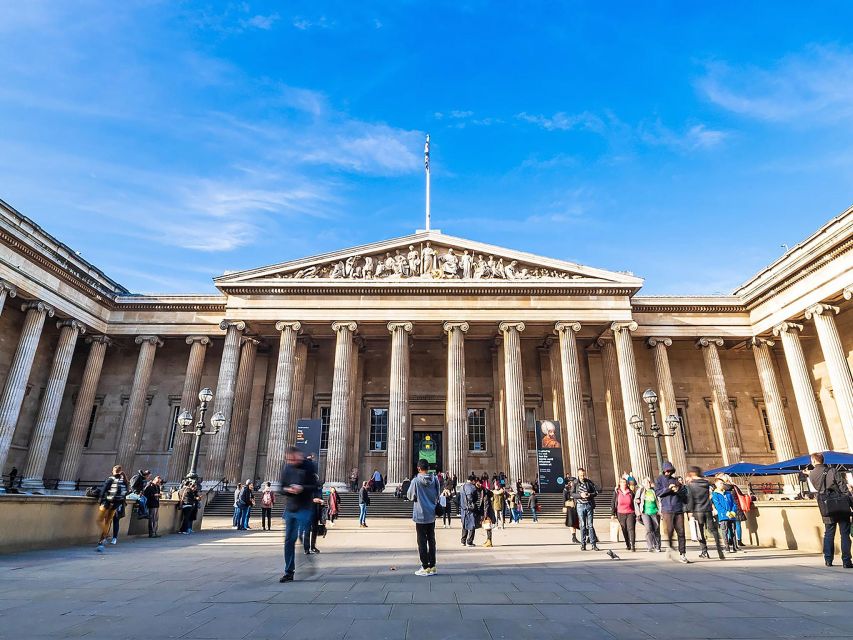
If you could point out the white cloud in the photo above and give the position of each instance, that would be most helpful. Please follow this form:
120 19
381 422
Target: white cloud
815 85
562 121
304 24
693 138
261 22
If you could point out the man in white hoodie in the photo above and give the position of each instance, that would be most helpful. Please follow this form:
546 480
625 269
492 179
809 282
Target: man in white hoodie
423 492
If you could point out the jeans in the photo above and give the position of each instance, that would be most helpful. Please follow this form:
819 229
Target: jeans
235 521
266 518
447 518
468 536
245 512
675 525
705 520
186 517
426 543
829 540
362 514
534 515
153 520
628 524
585 515
730 532
651 521
294 522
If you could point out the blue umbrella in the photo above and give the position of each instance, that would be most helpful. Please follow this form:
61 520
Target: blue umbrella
741 469
831 458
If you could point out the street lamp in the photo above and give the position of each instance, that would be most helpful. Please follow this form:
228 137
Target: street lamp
656 431
185 420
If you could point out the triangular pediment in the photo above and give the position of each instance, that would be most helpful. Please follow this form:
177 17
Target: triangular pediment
427 257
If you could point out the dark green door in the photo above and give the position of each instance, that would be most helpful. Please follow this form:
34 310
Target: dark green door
427 445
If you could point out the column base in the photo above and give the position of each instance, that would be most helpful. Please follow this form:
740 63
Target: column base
66 485
33 484
340 487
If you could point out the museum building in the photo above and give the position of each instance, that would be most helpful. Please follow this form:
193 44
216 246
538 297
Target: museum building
426 338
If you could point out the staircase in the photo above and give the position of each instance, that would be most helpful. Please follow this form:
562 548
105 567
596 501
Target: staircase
385 505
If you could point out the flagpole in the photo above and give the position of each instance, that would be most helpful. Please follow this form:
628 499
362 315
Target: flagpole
426 167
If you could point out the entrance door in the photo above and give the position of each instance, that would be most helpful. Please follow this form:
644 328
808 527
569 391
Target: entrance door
427 445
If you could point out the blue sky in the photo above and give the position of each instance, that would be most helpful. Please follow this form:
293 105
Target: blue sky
169 142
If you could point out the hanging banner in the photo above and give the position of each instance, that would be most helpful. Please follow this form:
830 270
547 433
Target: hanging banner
308 437
549 456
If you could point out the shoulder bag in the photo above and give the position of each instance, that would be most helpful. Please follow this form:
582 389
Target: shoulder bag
832 503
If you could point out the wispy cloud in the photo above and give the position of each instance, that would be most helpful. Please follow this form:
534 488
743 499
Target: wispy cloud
304 24
562 121
459 119
694 137
813 86
261 22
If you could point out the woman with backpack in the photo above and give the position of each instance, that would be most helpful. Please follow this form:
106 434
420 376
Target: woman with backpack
113 494
188 503
267 502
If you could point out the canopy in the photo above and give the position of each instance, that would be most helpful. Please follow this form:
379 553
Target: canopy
832 458
741 469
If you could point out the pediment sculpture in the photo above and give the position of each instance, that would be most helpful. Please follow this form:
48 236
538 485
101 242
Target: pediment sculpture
427 262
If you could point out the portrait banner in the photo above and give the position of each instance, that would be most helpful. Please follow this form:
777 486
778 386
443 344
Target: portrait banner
549 456
308 437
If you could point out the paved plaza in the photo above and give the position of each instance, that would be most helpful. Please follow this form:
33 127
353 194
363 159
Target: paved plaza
221 584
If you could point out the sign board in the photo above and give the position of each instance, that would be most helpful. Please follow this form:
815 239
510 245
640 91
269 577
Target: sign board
549 456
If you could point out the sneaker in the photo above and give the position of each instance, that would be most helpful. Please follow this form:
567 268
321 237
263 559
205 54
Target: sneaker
432 571
704 554
471 544
315 550
99 548
422 572
487 543
287 577
595 547
682 558
114 541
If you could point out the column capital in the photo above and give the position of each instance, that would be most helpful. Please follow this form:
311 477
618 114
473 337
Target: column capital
847 292
74 324
100 339
820 309
156 341
405 325
344 325
226 324
624 325
757 341
707 342
200 339
10 289
40 306
295 325
567 325
655 341
787 327
450 325
508 326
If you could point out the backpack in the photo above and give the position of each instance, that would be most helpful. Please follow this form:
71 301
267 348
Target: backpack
136 482
93 492
266 500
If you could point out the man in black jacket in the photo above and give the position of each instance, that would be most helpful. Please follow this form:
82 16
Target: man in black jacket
298 483
583 493
700 505
831 483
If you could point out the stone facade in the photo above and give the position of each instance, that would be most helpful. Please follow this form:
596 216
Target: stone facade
468 350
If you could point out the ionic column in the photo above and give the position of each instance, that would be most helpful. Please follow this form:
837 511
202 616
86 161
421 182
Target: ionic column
666 398
398 405
575 433
724 419
514 385
613 404
456 410
836 364
179 458
223 400
282 402
773 403
19 373
6 291
640 464
131 429
813 430
42 435
340 414
240 413
298 389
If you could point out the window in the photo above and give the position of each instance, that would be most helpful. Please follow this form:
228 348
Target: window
765 420
173 429
378 429
477 430
325 418
682 416
91 427
530 427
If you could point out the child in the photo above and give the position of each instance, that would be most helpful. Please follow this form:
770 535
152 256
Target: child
724 505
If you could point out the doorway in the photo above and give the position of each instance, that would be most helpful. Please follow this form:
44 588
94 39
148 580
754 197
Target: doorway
427 445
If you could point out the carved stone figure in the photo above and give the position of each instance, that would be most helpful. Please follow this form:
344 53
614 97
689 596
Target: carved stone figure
427 259
480 268
367 270
490 267
450 264
467 261
338 270
414 260
401 267
389 265
499 268
349 266
509 270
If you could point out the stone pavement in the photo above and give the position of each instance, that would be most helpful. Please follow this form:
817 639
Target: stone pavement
224 584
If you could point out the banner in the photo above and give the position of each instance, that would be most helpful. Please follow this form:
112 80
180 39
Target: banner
549 456
308 437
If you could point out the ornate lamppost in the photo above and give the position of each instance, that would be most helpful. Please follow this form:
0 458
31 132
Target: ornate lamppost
185 420
656 431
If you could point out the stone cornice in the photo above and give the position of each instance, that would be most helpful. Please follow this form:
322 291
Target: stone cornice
687 304
419 288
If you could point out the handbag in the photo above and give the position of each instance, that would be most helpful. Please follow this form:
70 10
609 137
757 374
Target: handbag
321 530
832 504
